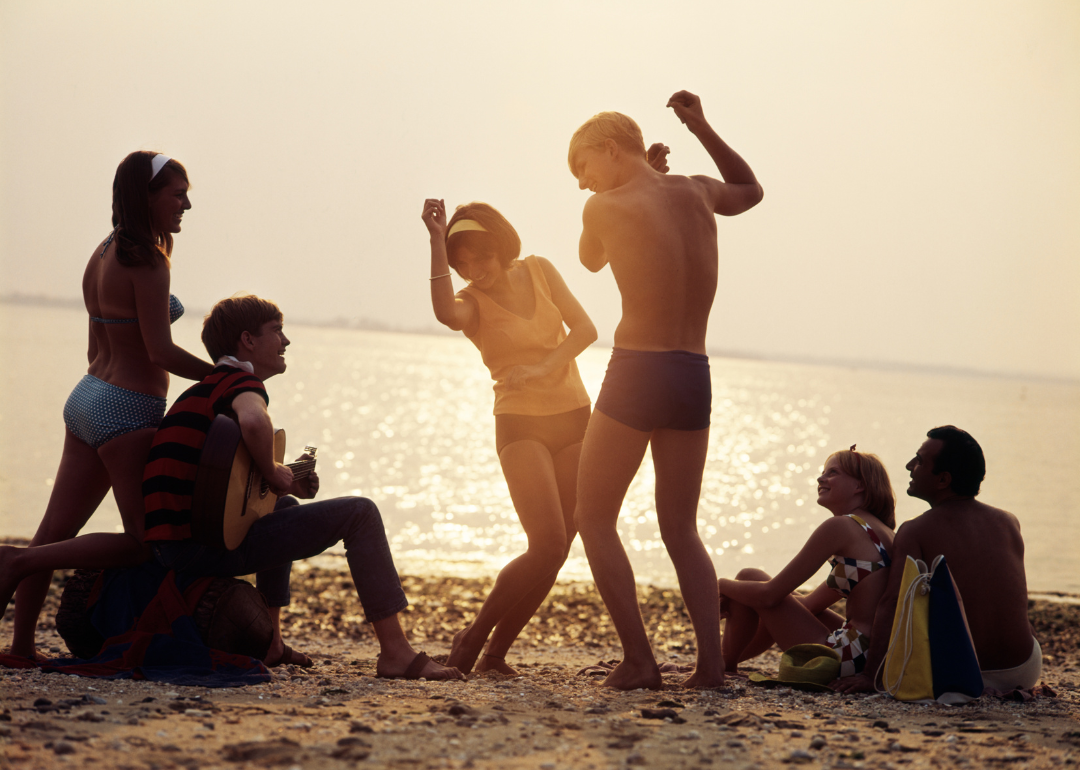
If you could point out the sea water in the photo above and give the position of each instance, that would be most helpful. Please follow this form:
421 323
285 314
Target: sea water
405 419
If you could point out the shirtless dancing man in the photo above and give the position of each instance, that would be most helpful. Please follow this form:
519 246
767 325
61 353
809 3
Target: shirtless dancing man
658 233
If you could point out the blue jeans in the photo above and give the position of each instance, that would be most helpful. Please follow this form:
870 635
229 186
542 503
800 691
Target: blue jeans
291 532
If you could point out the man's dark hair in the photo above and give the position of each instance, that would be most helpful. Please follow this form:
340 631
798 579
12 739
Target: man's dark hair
233 316
961 457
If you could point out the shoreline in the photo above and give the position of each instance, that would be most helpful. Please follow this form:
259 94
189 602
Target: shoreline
338 715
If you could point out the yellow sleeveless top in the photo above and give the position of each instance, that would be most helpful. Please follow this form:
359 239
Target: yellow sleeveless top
506 340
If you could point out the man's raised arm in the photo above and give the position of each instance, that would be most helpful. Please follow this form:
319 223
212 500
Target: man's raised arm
740 189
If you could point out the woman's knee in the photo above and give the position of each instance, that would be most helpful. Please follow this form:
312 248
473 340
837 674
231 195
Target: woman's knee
549 550
752 573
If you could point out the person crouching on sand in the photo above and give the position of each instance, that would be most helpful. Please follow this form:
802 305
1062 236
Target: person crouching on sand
514 311
856 540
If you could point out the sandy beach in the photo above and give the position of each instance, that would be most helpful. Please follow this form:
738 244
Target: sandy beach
337 714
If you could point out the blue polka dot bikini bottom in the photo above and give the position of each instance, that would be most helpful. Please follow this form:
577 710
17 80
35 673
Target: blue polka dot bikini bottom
97 412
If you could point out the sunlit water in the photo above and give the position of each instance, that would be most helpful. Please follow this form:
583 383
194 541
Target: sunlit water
406 420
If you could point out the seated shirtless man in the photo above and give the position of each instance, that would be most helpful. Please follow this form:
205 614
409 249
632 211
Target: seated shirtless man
244 335
985 554
658 233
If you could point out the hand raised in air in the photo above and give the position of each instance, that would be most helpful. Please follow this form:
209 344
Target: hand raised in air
687 107
434 216
656 155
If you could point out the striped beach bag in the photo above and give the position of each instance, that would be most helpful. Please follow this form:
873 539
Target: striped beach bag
931 656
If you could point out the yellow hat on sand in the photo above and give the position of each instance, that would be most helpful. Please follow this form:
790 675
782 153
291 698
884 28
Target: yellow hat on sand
805 667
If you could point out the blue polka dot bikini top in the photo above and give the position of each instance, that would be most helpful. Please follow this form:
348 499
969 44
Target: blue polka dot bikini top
176 308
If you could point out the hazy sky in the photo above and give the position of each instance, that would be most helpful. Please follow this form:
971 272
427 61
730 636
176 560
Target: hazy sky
920 160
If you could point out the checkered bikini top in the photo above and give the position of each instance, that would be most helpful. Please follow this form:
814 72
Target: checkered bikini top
176 307
846 573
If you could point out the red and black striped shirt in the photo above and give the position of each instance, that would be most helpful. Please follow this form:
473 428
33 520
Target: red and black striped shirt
169 479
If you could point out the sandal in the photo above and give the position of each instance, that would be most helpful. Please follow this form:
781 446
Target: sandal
415 668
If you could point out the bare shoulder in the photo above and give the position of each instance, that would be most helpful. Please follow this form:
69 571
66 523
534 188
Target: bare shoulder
551 273
909 535
1002 518
545 265
150 284
837 530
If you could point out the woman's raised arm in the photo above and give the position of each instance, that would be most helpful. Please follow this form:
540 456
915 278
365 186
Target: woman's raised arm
818 548
450 310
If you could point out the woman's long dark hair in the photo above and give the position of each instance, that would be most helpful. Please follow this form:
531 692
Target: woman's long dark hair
132 187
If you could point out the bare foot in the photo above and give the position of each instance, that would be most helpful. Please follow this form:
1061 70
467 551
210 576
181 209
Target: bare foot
283 655
627 677
8 580
420 666
704 680
492 663
464 650
32 654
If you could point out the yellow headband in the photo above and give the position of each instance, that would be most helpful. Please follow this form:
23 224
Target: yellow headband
466 224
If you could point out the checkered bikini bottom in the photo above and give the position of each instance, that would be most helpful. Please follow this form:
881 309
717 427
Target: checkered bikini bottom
852 646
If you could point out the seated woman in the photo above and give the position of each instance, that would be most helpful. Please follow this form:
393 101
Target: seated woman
856 541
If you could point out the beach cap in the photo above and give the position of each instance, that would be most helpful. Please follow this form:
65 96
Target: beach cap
804 667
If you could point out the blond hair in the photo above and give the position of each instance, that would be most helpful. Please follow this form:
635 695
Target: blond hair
603 126
878 497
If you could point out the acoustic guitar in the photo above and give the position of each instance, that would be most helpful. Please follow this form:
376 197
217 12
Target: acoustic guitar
230 494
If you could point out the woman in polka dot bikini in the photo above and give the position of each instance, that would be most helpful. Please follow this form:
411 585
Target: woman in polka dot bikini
113 412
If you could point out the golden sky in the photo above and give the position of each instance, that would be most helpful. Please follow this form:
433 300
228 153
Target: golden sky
920 160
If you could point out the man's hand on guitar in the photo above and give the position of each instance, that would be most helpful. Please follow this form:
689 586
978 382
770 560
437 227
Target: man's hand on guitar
305 486
281 482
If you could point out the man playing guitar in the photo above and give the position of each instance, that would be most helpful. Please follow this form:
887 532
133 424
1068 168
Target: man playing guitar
244 335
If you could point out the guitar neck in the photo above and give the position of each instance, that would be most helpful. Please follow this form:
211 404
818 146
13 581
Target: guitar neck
302 468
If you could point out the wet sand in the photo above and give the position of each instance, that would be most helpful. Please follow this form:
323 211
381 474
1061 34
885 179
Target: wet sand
337 715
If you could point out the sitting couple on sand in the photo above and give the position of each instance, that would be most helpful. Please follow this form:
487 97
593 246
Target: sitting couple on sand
982 546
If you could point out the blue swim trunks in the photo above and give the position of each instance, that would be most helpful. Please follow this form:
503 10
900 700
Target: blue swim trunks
647 390
97 412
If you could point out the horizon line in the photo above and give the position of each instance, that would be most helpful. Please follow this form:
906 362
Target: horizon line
359 323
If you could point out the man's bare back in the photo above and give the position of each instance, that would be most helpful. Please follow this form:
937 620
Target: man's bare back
660 233
985 553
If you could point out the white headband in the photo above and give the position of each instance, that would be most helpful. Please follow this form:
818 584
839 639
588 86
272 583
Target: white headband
157 164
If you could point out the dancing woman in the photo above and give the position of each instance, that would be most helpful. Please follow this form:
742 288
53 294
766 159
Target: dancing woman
113 412
514 311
